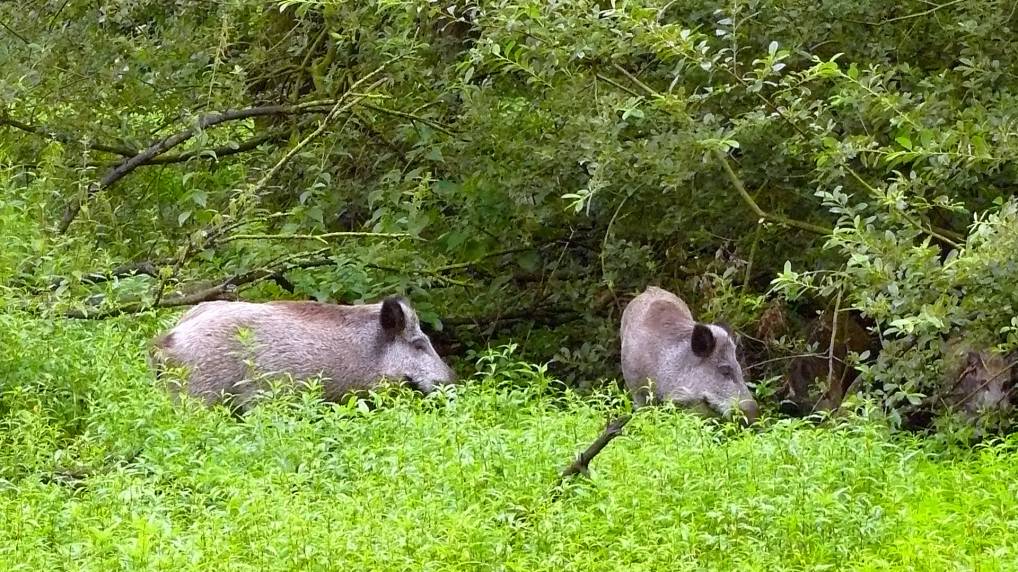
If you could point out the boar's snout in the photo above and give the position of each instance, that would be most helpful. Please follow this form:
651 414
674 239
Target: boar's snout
429 384
749 410
450 376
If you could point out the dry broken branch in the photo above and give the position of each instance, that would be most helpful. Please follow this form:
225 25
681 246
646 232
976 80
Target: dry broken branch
581 466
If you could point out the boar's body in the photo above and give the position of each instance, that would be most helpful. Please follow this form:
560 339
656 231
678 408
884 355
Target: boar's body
230 348
668 356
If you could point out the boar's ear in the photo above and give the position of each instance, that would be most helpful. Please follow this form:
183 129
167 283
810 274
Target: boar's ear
393 318
703 341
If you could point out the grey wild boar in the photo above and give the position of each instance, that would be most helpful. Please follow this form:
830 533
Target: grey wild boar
667 356
979 381
229 349
818 382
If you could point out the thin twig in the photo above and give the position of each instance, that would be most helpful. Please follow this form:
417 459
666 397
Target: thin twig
147 155
939 234
830 354
913 15
323 238
65 138
14 32
461 265
780 219
618 85
786 358
397 113
339 107
636 80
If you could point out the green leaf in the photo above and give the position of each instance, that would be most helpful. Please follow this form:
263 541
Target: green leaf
530 261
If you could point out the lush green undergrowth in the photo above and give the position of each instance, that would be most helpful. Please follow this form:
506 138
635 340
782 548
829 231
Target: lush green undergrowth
100 471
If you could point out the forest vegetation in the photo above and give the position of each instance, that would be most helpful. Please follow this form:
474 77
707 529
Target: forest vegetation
834 179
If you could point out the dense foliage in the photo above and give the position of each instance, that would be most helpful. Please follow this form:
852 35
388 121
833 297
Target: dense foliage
521 168
126 480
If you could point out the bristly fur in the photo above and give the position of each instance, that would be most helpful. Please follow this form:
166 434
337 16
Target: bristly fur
668 356
232 349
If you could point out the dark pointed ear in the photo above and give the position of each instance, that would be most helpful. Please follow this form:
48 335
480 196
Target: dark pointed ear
392 318
703 341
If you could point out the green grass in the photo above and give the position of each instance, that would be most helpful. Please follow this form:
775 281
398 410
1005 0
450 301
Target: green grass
99 471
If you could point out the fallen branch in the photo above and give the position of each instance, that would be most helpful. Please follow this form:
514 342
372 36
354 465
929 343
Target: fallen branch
581 466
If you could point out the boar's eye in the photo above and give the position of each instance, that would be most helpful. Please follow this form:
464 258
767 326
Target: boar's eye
725 370
420 345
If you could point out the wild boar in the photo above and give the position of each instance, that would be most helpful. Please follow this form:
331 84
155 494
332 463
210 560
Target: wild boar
669 357
819 381
230 348
979 381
